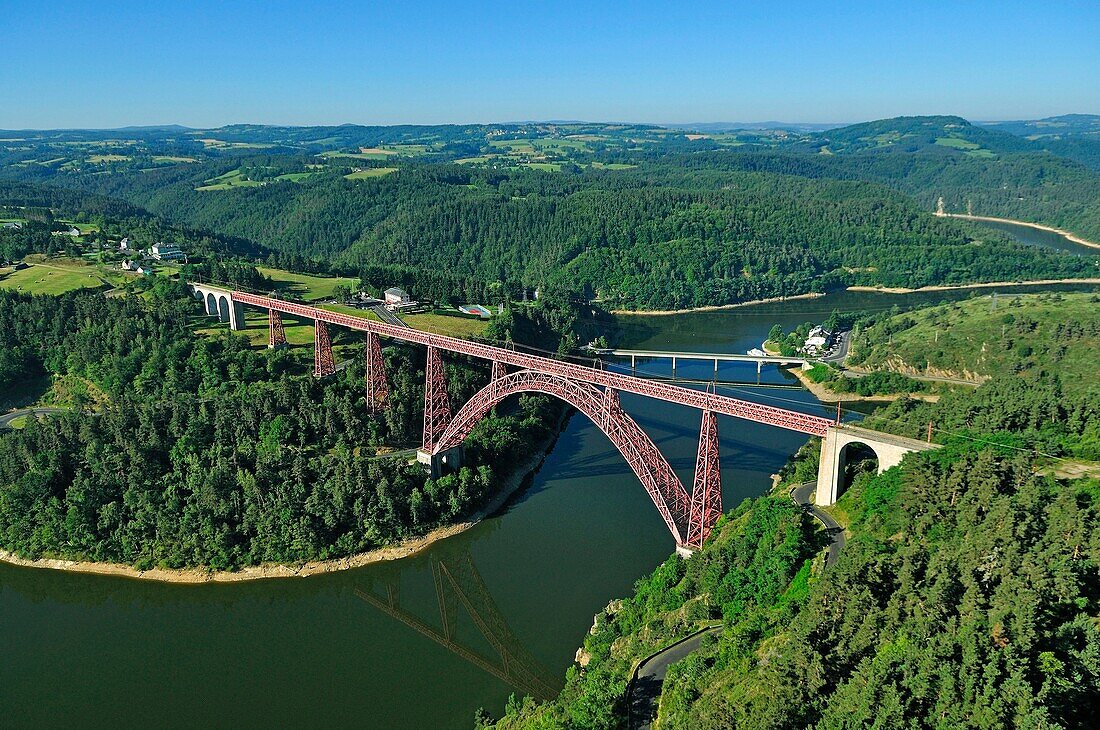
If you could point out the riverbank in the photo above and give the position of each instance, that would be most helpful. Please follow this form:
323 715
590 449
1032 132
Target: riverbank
714 307
826 395
518 479
1037 226
955 287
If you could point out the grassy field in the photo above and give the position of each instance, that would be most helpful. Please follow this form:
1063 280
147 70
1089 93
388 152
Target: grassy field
99 159
52 278
296 176
354 155
84 228
612 166
970 148
443 325
438 324
304 286
231 179
210 143
351 311
371 172
298 332
1024 333
170 158
380 153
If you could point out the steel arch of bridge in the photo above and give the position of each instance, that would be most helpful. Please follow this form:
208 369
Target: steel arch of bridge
643 456
591 390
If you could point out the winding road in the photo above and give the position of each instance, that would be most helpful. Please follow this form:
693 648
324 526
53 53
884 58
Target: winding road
800 495
649 677
7 418
645 688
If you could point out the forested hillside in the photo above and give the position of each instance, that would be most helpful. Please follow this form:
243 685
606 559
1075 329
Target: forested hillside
1032 186
639 217
1055 335
663 235
184 451
966 595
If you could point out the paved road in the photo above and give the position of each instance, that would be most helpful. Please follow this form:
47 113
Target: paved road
7 418
387 316
801 496
843 340
645 691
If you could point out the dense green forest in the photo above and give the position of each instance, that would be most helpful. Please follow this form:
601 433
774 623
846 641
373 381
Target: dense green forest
966 595
182 451
660 236
637 217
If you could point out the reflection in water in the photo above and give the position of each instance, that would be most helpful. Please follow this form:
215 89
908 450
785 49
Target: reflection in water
458 582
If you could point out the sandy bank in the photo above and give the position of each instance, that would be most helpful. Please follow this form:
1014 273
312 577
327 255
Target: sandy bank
823 394
512 484
1069 236
987 285
713 308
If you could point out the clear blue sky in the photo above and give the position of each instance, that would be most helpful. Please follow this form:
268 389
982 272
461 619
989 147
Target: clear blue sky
107 64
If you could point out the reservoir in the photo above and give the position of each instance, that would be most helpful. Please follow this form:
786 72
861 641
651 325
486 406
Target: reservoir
358 647
1038 237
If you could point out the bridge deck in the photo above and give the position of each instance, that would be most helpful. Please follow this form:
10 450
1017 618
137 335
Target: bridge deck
720 356
735 407
886 438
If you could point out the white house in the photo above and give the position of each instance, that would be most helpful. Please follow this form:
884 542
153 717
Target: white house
396 296
124 244
166 252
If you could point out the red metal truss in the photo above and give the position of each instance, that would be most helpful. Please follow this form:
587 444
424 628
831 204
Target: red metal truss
437 406
643 456
499 369
720 404
323 363
276 337
377 389
706 493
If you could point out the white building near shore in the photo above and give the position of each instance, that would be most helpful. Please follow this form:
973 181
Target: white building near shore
166 252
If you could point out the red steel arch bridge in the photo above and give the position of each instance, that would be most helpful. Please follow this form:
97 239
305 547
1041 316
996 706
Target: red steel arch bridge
591 390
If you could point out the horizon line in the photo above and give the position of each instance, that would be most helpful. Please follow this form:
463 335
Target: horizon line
764 124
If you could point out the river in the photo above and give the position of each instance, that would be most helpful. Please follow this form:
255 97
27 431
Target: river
1038 237
92 650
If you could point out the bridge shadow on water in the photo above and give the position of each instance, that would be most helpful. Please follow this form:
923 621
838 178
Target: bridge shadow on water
461 591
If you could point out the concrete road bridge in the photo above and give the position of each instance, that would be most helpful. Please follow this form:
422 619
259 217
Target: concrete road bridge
590 389
716 357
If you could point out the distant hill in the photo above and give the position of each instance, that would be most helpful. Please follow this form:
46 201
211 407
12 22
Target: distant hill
1061 126
945 134
170 128
718 127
